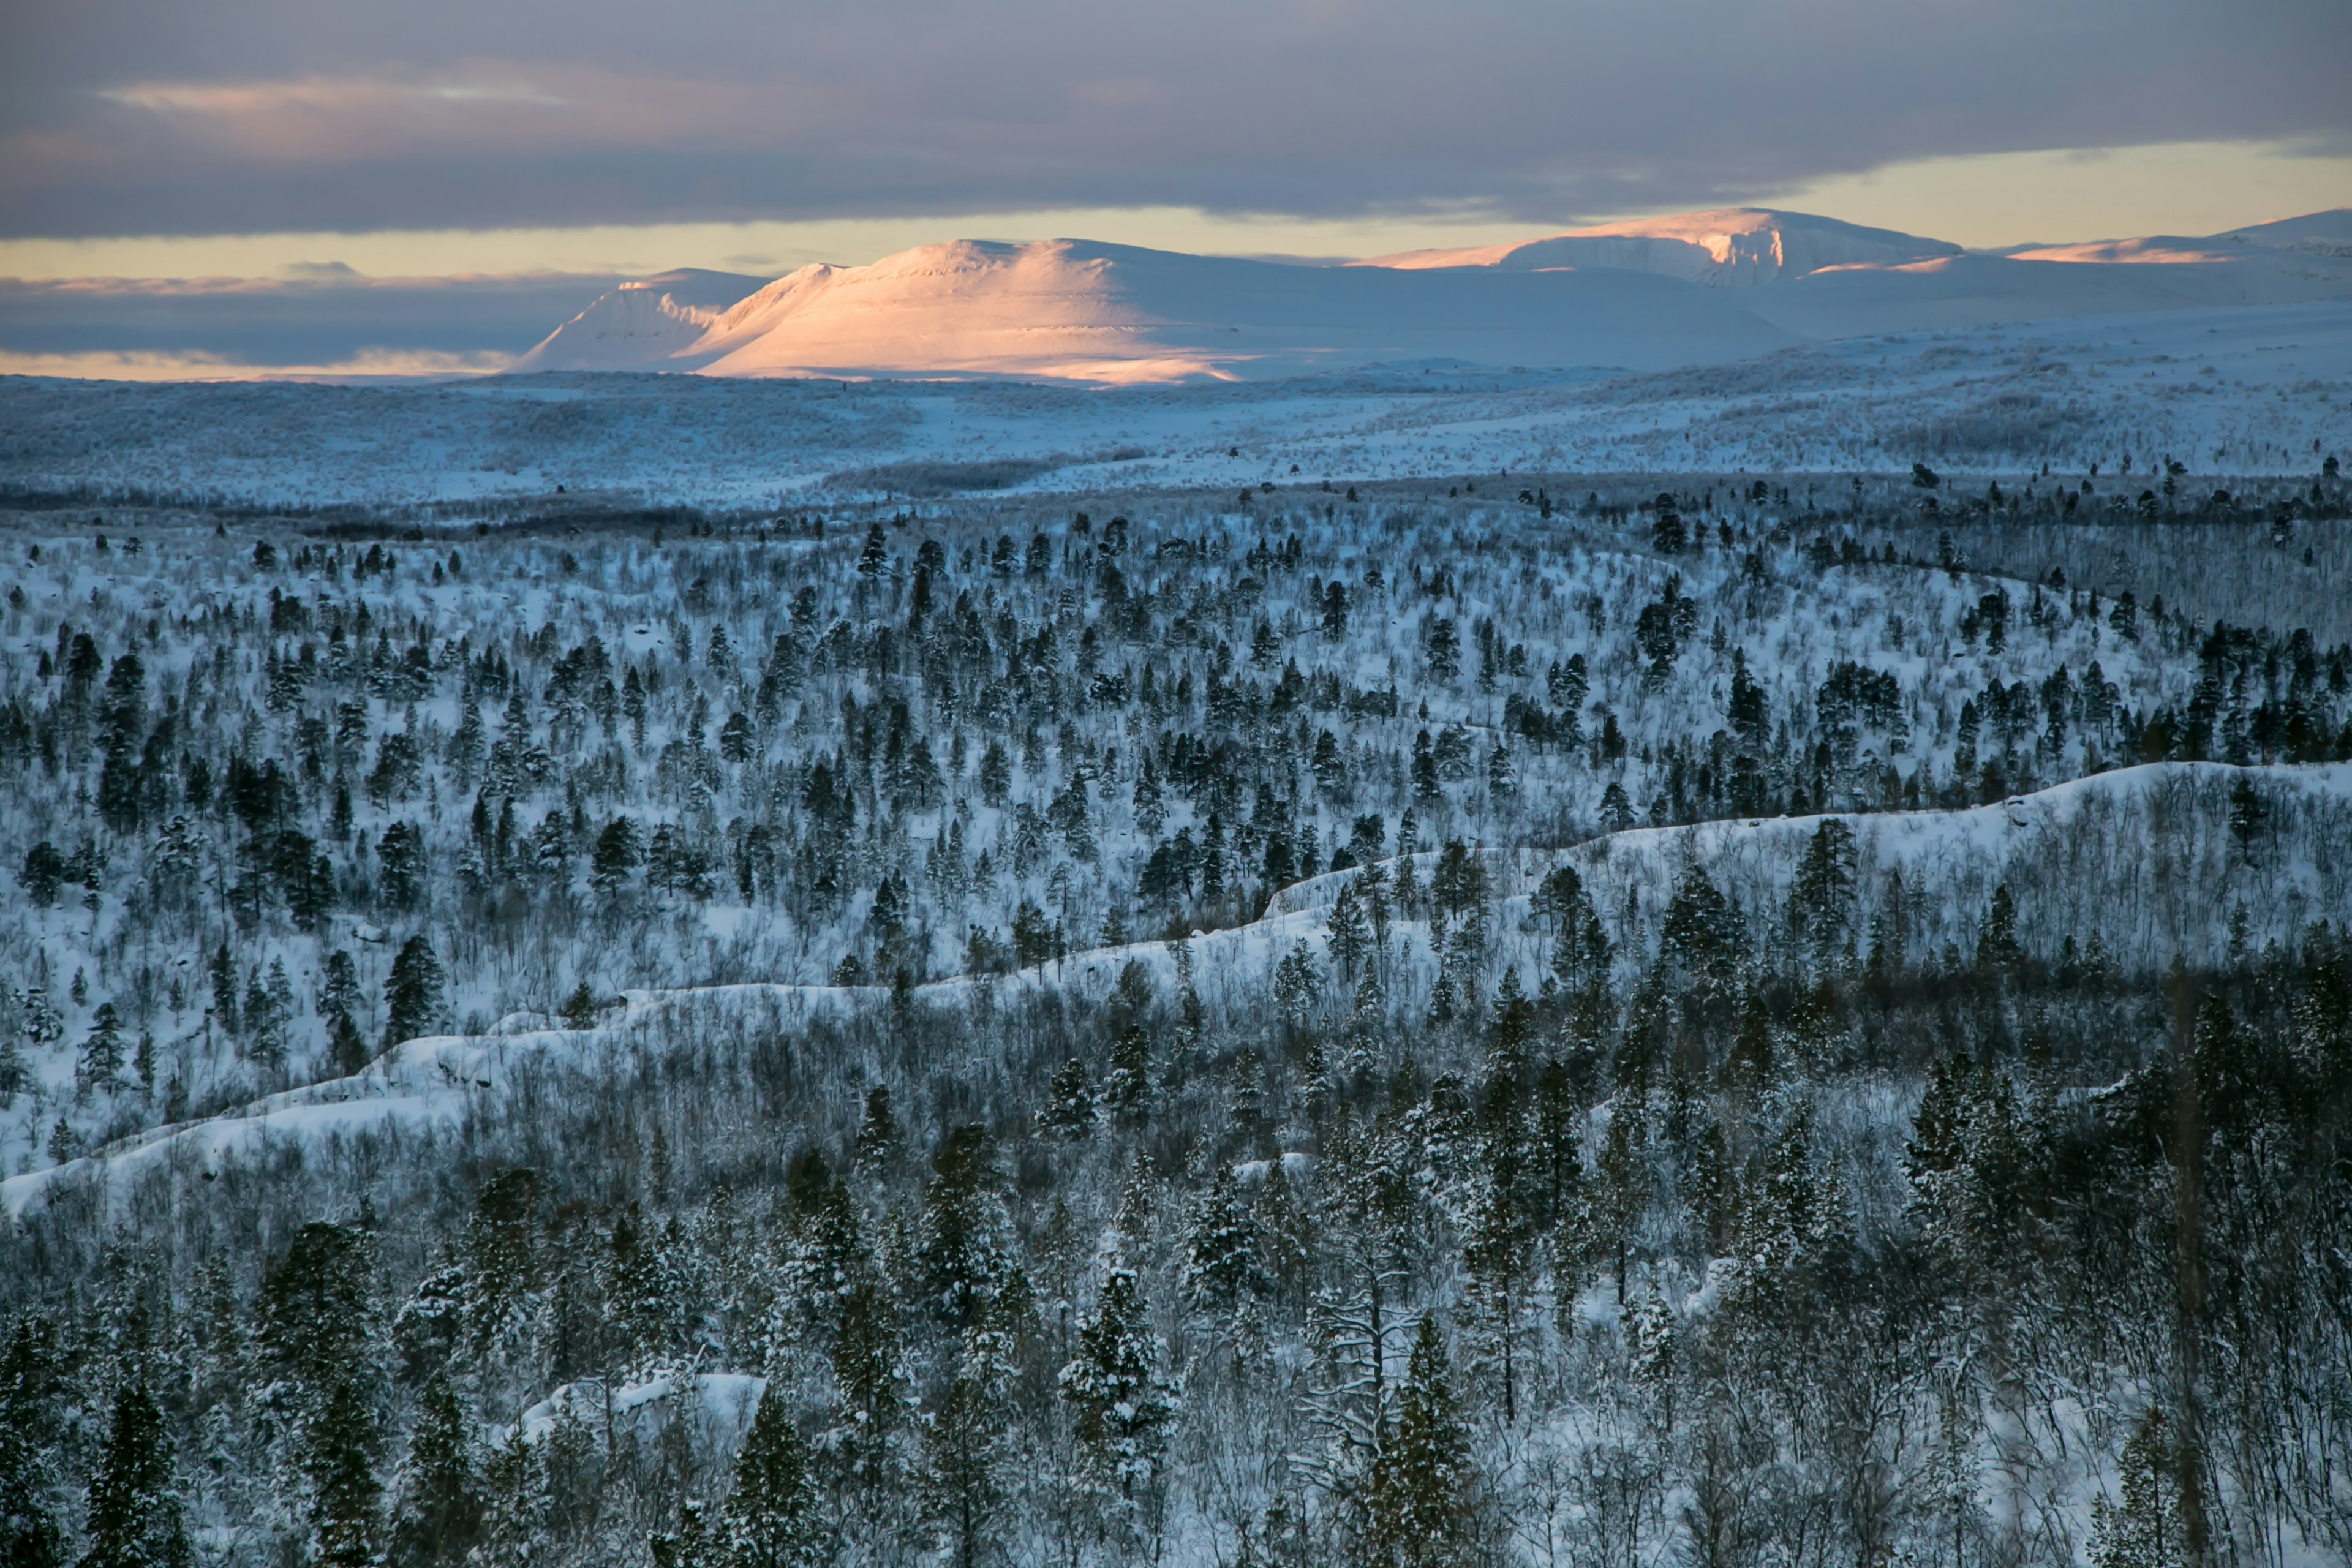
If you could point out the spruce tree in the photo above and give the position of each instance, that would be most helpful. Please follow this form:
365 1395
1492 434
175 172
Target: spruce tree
440 1506
31 1534
965 1227
1997 945
412 994
2143 1529
769 1521
134 1518
878 1134
1117 1391
343 1444
1127 1089
316 1306
1417 1504
963 1443
869 1370
1222 1262
100 1067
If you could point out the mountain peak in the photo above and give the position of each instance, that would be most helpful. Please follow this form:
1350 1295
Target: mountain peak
1725 248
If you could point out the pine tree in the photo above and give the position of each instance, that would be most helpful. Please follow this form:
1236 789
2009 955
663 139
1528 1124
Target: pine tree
1997 945
1418 1500
1117 1389
440 1508
1821 899
878 1134
412 994
1222 1262
1349 939
31 1534
224 979
869 1372
2144 1528
346 1046
100 1067
1127 1090
1069 1108
1501 1235
965 1227
341 1446
771 1520
616 856
134 1518
963 1449
316 1306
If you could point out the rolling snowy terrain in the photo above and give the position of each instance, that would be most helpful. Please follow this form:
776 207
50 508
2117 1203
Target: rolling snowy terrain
1104 1023
2251 391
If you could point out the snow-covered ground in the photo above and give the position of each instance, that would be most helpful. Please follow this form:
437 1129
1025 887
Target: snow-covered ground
2241 390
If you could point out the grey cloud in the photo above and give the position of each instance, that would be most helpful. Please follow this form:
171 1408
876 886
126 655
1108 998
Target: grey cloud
290 321
138 116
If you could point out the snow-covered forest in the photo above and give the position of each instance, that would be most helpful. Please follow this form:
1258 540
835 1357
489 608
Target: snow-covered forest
1700 1018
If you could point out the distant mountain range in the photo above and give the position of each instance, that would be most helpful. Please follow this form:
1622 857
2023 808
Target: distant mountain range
1656 293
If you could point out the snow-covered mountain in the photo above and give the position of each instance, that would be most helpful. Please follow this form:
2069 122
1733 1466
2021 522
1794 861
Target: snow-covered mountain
642 323
1651 294
1076 309
1733 247
2327 234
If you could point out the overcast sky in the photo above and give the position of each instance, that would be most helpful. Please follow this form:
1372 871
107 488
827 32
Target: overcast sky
426 138
156 117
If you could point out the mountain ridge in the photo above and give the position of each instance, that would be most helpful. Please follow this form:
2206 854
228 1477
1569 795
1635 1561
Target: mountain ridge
1647 294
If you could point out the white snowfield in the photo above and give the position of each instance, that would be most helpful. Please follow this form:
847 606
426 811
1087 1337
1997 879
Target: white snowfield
1654 294
2143 856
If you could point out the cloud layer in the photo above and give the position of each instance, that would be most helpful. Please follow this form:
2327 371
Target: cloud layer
142 117
328 321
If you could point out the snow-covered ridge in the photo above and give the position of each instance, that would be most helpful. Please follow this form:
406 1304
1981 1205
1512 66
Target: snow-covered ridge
2143 856
1735 248
1654 293
1070 310
643 322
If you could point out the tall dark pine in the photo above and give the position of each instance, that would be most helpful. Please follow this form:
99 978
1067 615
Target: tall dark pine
134 1518
769 1521
412 994
30 1533
1418 1503
440 1509
962 1451
345 1494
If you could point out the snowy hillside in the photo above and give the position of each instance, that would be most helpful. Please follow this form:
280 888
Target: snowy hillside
1107 1027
